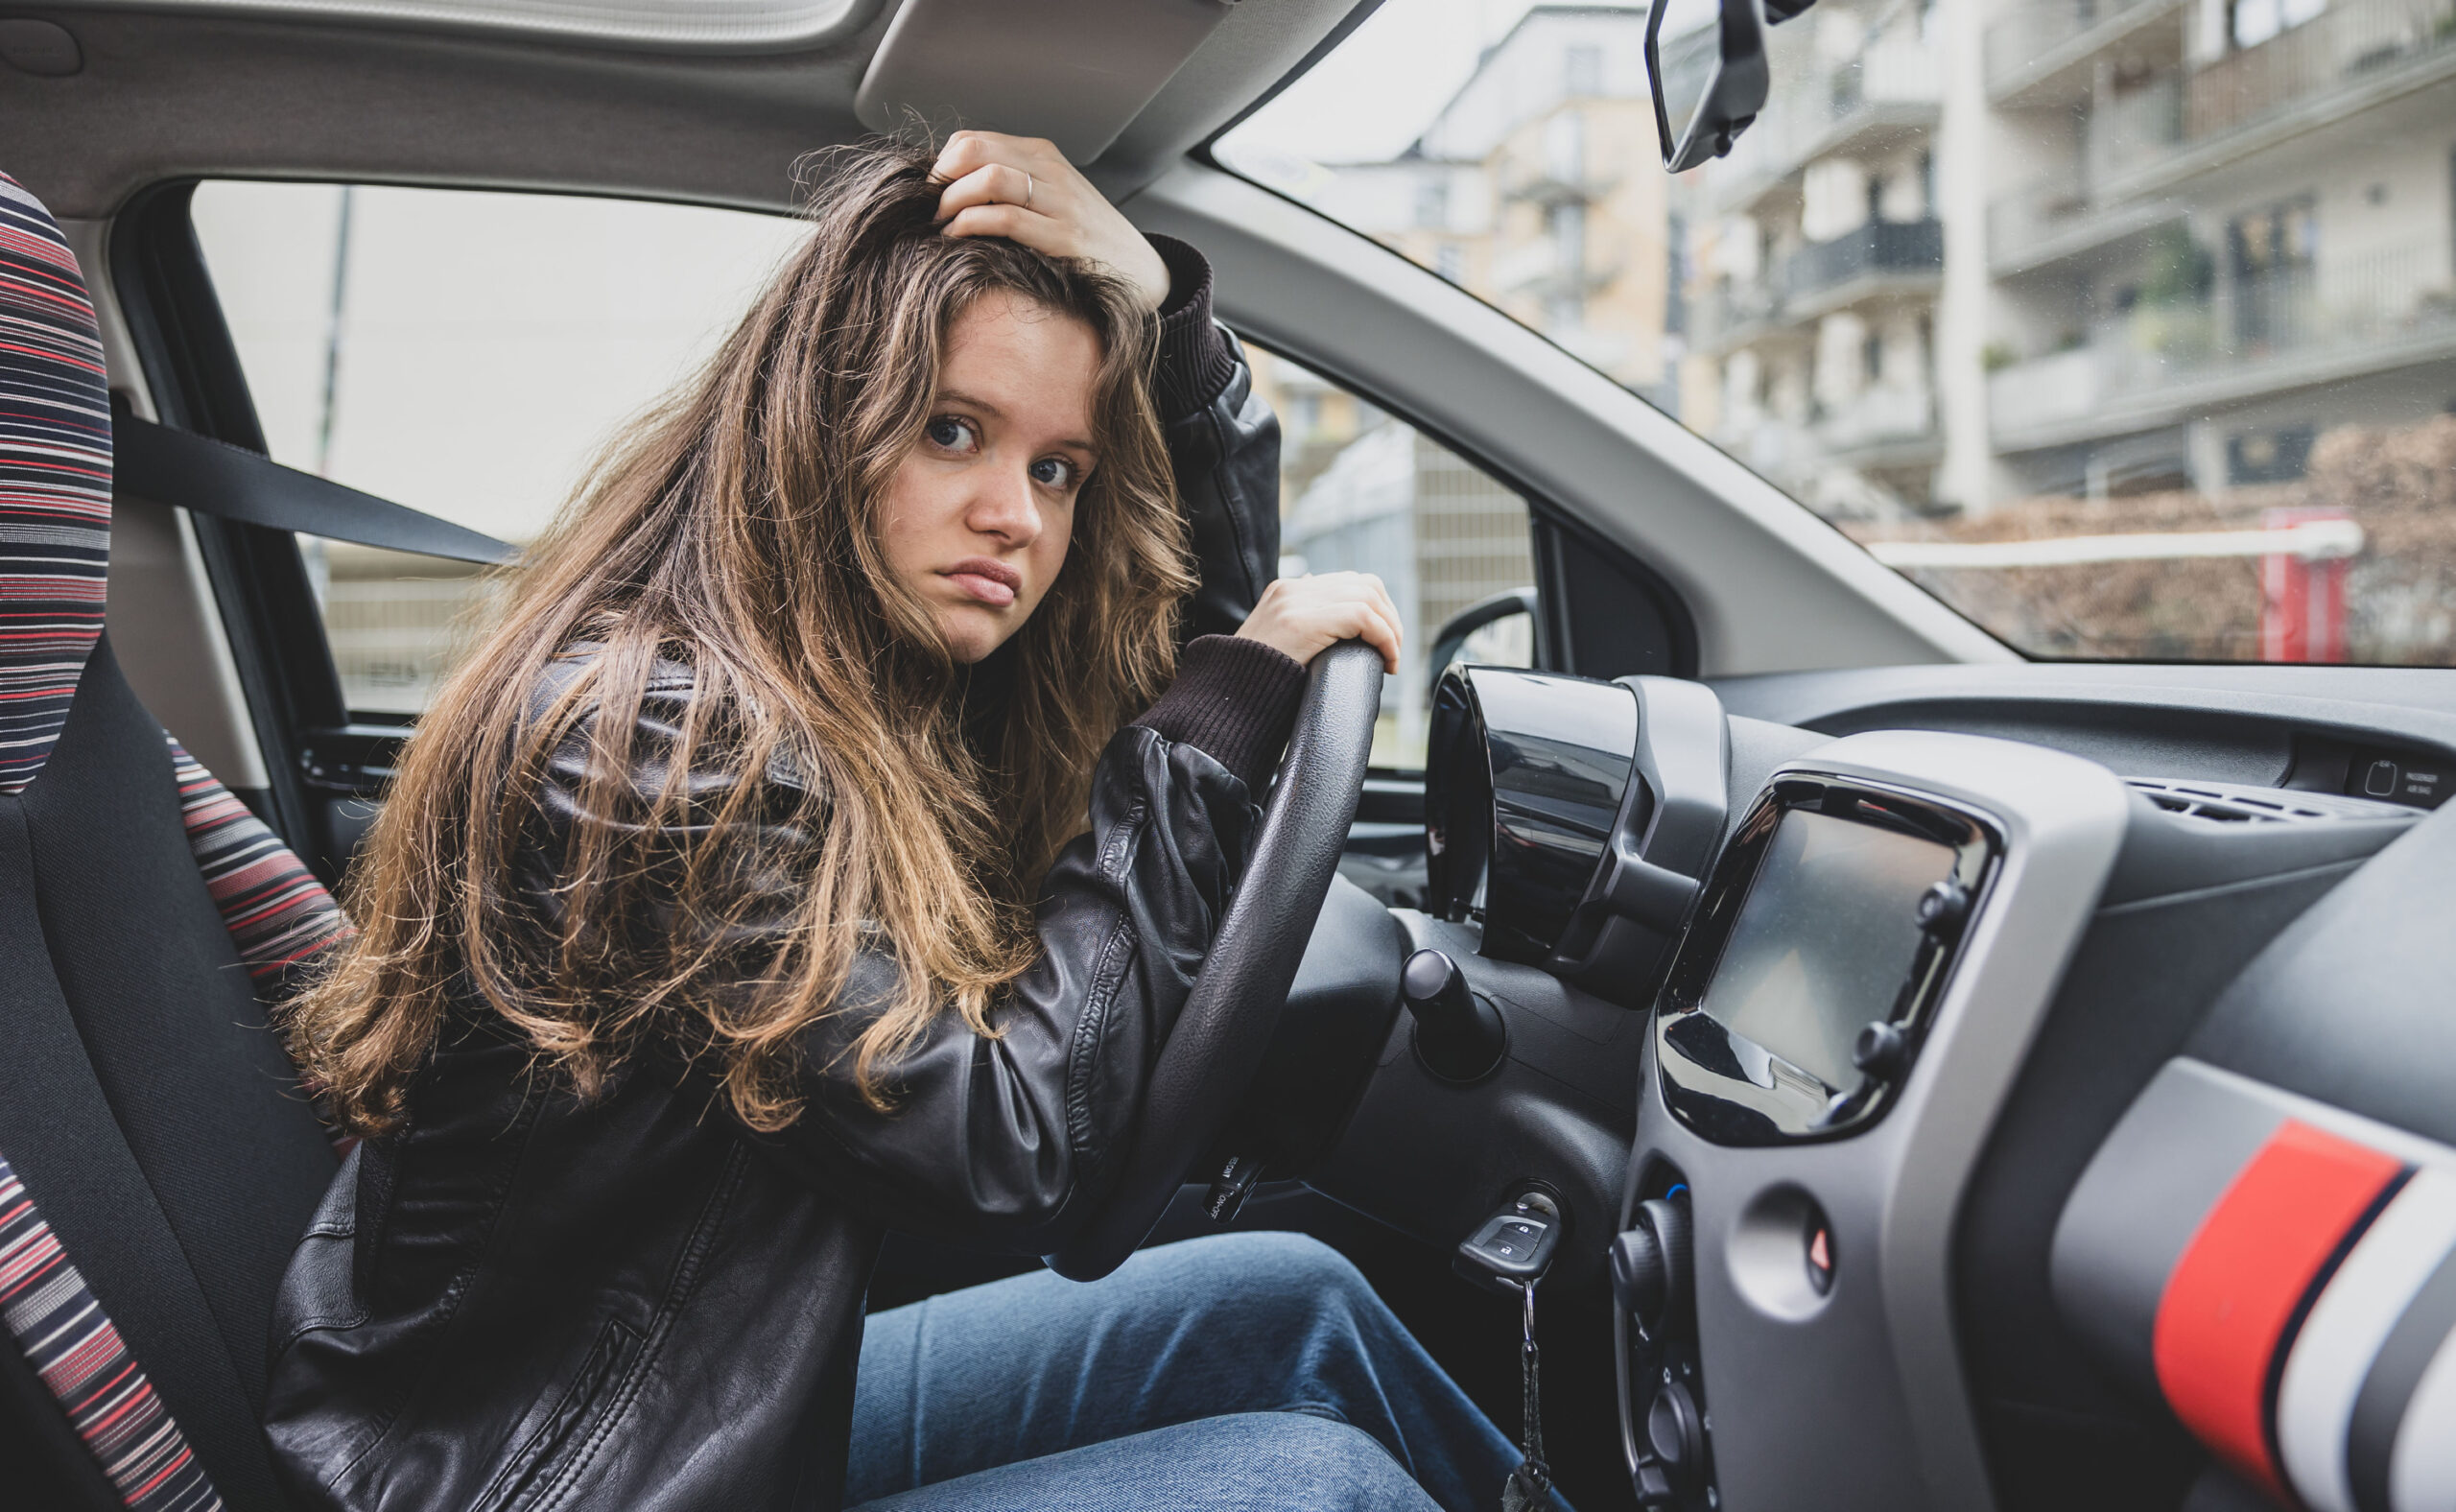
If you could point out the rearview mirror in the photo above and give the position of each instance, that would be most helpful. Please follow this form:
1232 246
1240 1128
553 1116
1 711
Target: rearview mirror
1706 64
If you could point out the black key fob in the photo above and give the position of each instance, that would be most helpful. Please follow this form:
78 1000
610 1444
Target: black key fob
1509 1250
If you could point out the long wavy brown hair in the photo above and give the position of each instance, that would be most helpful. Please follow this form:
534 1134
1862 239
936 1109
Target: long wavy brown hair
733 544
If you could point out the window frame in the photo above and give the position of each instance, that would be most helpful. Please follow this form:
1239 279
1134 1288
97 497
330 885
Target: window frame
259 579
323 761
1557 534
326 763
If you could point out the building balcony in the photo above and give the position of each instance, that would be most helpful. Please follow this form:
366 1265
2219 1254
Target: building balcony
2066 214
1827 460
2042 53
1880 257
1880 249
1551 183
2344 46
1732 315
2132 130
2355 54
1890 91
2056 218
1546 268
2160 363
1882 427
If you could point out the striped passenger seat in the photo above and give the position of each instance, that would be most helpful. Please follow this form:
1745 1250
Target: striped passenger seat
157 1157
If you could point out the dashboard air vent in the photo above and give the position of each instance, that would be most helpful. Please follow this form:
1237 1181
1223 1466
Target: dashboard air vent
2227 803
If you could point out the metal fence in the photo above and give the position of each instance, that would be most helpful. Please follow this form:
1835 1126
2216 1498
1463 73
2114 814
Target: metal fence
1734 310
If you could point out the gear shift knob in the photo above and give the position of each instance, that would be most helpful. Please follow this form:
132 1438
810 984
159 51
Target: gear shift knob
1460 1034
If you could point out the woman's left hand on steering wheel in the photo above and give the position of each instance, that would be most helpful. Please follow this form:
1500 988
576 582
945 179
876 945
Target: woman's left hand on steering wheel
1305 616
1024 189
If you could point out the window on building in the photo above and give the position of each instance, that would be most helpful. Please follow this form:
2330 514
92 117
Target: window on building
2251 22
2271 456
1433 202
2274 240
1362 490
1564 148
2272 254
465 353
1567 223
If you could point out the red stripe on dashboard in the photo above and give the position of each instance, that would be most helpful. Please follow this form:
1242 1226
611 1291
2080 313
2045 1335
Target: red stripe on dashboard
2242 1280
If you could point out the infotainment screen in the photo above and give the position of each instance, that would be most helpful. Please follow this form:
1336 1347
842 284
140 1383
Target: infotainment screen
1824 940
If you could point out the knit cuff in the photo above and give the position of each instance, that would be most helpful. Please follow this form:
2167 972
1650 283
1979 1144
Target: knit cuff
1235 700
1197 359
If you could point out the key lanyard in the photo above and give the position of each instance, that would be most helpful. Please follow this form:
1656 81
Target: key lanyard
1531 1485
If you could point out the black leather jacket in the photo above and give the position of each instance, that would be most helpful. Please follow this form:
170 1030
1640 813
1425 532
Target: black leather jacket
528 1301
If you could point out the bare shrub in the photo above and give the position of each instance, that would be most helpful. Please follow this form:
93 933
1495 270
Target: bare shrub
2397 483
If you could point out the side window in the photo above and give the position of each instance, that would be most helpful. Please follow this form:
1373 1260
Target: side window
465 353
1362 490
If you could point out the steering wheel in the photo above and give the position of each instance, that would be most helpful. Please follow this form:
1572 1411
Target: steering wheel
1230 1016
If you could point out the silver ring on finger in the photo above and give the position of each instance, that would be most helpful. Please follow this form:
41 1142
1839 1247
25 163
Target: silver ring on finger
1029 186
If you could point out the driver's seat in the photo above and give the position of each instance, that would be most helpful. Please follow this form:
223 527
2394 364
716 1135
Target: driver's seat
158 1158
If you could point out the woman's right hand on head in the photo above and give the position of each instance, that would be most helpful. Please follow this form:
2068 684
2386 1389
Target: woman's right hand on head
1303 616
1024 189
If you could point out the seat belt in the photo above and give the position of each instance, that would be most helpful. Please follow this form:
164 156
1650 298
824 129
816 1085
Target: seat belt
229 482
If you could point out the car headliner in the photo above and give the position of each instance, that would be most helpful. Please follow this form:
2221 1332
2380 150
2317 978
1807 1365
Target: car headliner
167 96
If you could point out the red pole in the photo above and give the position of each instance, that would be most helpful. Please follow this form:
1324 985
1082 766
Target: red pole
2301 600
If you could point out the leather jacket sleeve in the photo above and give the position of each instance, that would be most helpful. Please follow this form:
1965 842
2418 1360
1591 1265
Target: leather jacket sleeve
1007 1140
1224 442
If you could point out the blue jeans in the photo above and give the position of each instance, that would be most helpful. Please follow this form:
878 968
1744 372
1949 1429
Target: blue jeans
1248 1371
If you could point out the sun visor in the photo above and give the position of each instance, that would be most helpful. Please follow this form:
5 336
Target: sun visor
1075 71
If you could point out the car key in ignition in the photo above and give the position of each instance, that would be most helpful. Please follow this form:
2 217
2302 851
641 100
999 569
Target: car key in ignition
1509 1252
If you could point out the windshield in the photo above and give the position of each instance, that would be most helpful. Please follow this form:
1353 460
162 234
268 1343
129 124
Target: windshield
2127 328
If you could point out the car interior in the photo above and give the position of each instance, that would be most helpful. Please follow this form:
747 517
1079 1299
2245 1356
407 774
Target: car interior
1884 1056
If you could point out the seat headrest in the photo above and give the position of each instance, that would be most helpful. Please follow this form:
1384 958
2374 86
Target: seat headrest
55 483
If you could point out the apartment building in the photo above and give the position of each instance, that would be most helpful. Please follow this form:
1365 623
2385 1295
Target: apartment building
1973 253
1537 186
2233 228
1558 119
1818 254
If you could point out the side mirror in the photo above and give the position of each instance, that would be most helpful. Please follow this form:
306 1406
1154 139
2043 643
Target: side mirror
1488 615
1706 64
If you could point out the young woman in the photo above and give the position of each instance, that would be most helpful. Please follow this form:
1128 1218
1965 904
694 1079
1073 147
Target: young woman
824 842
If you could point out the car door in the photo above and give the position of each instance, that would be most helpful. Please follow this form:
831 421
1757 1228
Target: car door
460 358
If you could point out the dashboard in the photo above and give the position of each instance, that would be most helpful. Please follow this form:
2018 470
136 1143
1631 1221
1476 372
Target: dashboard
1925 1026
